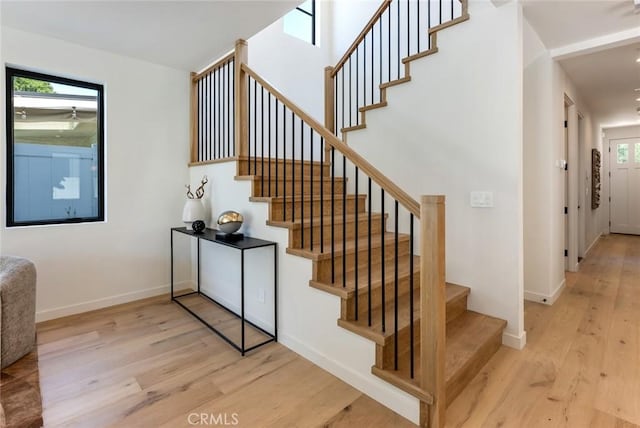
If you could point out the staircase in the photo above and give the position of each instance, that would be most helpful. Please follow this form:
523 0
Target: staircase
471 338
372 245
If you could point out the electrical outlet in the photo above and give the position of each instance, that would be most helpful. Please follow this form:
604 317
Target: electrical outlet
261 295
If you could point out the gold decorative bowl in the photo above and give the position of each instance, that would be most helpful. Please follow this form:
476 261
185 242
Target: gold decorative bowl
230 221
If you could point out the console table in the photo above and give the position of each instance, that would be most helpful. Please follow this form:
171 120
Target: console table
241 245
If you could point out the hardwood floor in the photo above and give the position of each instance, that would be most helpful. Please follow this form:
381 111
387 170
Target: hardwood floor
149 364
581 365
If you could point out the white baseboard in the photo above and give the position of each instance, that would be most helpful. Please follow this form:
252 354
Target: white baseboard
595 241
514 341
92 305
544 298
381 391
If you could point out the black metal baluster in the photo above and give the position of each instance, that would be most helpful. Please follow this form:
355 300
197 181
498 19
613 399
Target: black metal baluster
230 120
389 42
418 24
233 116
382 265
333 176
311 194
207 155
343 91
255 133
380 54
372 65
356 244
293 168
398 39
344 221
219 117
250 128
200 109
350 95
335 105
284 161
269 138
451 9
262 139
214 117
369 252
301 183
395 291
277 163
228 107
428 23
364 77
411 294
440 11
408 29
322 194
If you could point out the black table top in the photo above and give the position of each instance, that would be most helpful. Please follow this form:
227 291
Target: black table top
210 235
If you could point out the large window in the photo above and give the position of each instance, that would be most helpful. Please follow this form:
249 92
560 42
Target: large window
55 149
301 22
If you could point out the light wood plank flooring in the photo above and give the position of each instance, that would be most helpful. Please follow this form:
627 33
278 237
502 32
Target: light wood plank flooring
581 365
149 364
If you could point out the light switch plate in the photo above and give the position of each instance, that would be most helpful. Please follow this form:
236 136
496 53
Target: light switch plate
482 199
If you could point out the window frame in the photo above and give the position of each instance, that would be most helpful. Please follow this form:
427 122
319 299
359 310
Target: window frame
311 15
10 73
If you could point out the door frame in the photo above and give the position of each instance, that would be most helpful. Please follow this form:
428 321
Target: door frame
571 185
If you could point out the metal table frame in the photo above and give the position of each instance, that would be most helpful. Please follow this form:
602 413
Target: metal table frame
247 243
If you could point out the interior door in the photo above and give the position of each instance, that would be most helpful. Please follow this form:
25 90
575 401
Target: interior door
624 164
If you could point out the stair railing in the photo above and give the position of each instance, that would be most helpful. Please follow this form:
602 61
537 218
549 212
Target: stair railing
284 145
338 194
212 112
398 32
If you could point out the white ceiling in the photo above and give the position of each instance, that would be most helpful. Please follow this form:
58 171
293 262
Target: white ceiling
186 35
605 76
606 80
563 22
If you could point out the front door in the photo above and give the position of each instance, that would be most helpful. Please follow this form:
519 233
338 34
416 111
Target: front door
624 164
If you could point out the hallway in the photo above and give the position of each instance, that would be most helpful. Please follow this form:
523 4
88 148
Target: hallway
581 365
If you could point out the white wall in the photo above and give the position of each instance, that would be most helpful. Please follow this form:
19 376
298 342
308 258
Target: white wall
86 266
293 66
456 128
546 87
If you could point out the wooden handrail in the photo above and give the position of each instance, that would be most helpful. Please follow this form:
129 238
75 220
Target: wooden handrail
385 4
391 188
222 61
432 310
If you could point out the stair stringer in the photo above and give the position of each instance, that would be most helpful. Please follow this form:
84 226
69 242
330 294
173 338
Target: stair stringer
445 143
307 316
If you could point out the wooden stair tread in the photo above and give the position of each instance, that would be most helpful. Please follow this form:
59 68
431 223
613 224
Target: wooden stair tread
316 179
259 159
349 218
353 128
363 280
372 106
466 348
298 198
349 246
375 333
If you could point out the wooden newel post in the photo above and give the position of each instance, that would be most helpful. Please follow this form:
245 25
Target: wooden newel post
329 99
240 101
329 102
432 309
193 158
